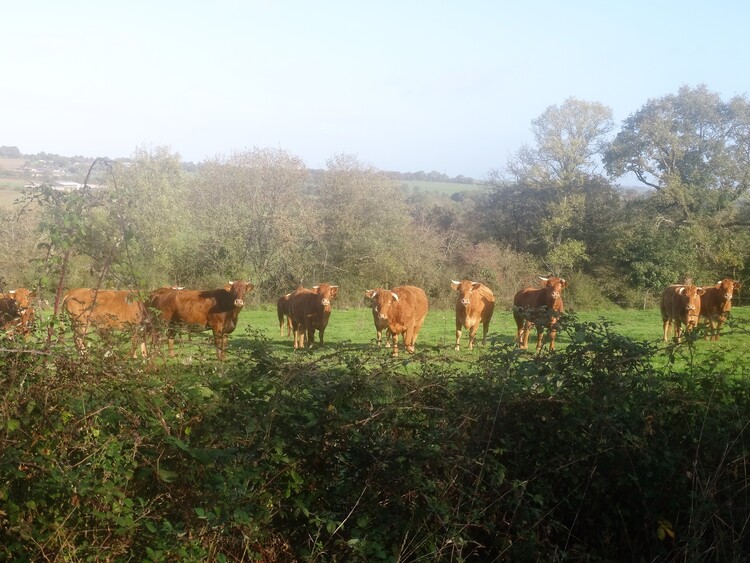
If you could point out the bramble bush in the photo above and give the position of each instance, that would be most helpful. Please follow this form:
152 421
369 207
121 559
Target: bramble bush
345 454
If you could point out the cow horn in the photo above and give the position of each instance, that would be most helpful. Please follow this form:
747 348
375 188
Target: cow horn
395 296
456 282
681 290
543 279
12 291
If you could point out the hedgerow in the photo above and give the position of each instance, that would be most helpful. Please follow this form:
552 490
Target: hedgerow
344 454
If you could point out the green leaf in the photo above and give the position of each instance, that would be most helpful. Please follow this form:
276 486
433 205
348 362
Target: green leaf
166 475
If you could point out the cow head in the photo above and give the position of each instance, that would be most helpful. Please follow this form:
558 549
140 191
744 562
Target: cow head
464 289
382 301
726 288
238 289
691 301
554 287
326 292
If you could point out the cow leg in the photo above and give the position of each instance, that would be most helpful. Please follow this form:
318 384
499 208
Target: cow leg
378 337
539 338
458 336
395 344
666 330
310 335
321 331
134 346
552 337
473 336
299 337
485 330
78 335
288 327
519 337
220 344
526 333
388 338
677 329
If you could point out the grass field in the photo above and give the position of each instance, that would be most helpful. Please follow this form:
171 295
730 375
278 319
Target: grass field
10 191
352 330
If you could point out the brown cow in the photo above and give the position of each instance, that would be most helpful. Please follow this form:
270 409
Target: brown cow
107 310
404 308
680 304
25 317
217 309
380 324
716 303
475 305
310 310
282 310
541 307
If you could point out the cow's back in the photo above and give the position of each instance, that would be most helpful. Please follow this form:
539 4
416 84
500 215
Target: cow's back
670 302
104 308
528 297
190 306
484 301
413 304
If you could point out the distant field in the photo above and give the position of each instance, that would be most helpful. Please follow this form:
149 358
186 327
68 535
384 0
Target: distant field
446 188
10 191
11 163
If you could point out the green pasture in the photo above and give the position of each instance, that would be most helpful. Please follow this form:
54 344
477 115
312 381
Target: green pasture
352 330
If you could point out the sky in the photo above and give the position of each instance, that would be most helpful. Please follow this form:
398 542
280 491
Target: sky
405 85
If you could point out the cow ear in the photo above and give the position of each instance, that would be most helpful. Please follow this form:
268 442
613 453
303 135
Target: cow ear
334 291
395 296
476 285
250 286
563 283
371 293
700 290
737 285
228 286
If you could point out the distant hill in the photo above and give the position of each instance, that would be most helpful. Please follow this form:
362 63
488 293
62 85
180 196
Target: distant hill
9 152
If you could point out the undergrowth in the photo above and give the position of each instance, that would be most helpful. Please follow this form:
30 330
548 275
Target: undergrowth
591 454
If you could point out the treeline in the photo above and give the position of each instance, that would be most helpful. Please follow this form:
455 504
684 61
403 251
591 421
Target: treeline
554 208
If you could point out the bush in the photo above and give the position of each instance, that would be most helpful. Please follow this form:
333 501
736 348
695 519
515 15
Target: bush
347 455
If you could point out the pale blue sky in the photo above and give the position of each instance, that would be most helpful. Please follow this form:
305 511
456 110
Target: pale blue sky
404 85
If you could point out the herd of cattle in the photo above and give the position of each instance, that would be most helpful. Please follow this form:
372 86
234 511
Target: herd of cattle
400 311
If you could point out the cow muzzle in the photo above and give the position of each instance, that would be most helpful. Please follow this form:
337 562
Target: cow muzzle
239 303
382 316
465 302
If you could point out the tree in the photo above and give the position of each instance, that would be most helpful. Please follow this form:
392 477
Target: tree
537 209
250 212
148 202
691 147
364 223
